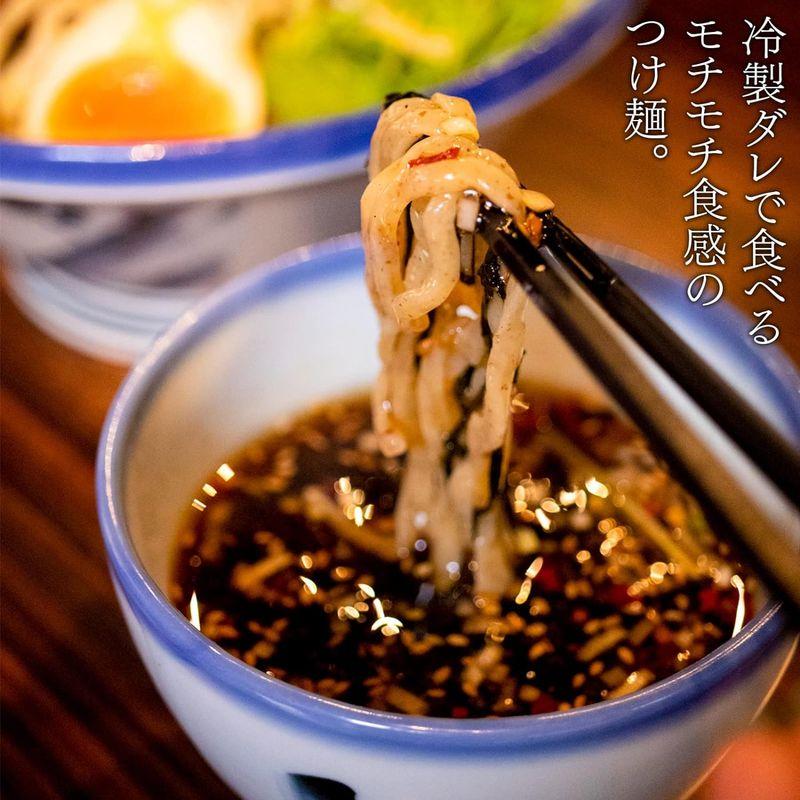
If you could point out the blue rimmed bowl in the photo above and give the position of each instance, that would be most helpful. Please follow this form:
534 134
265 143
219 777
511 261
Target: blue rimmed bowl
107 244
275 341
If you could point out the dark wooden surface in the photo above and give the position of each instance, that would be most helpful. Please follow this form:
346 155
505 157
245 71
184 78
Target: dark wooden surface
80 717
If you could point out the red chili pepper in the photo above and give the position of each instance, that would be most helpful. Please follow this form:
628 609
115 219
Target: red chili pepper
616 594
728 604
459 712
544 704
445 155
548 579
709 600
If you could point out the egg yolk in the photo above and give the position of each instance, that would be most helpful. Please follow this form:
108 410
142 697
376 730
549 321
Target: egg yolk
136 98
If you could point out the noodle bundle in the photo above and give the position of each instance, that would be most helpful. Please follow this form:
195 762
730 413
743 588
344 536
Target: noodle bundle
451 330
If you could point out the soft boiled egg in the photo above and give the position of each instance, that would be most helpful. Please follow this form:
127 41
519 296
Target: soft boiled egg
135 70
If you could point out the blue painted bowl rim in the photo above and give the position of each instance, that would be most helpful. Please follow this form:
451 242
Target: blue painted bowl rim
318 150
315 715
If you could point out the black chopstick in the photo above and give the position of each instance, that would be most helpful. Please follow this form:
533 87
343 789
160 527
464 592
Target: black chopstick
631 376
754 434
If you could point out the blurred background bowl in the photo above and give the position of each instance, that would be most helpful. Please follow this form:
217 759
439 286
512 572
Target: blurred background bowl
104 245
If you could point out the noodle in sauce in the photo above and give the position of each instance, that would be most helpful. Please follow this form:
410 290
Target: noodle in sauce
452 328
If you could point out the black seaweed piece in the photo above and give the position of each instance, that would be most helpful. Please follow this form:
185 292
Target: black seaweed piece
495 470
506 501
491 272
409 237
486 331
462 383
393 97
492 281
495 474
454 446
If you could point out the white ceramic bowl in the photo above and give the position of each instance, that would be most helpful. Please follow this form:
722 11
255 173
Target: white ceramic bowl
275 341
105 245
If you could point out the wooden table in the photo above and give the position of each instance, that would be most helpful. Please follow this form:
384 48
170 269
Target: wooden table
80 717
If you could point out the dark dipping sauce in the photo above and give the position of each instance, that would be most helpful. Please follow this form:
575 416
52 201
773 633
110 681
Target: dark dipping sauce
619 582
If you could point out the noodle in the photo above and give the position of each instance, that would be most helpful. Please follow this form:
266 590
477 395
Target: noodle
451 330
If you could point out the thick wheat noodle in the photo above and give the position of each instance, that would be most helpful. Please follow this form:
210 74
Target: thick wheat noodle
488 426
442 262
410 119
449 354
390 192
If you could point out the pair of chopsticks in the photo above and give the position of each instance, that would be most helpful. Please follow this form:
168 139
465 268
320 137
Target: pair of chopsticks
740 468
